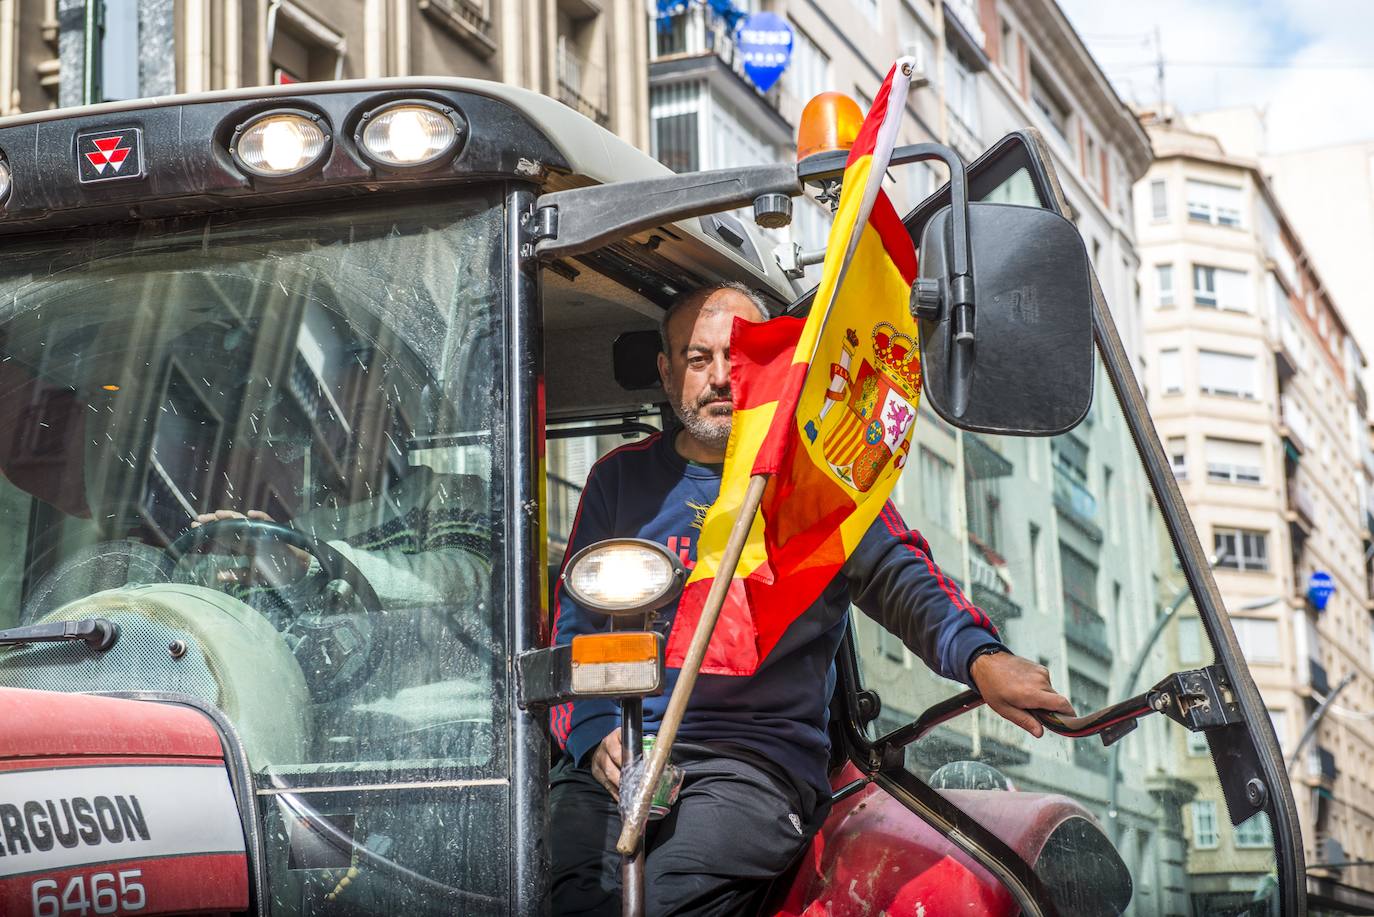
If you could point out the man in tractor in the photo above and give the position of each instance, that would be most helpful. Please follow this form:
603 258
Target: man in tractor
754 748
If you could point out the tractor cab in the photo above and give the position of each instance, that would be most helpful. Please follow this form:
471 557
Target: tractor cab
298 391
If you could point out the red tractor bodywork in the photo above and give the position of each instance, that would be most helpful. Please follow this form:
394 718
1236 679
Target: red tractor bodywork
874 856
80 813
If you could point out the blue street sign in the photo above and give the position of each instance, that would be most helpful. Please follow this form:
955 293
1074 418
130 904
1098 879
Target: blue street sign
764 40
1319 589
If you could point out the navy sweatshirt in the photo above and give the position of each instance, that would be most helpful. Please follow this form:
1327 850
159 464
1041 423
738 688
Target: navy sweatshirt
647 490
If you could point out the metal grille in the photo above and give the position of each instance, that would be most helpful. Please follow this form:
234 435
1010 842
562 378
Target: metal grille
139 661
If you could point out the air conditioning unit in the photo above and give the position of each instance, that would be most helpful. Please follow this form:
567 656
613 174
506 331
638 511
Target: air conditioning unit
920 73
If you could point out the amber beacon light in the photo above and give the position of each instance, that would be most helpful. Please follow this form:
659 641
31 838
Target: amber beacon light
830 121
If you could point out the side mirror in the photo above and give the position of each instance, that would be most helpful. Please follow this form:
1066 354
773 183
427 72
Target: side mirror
1024 365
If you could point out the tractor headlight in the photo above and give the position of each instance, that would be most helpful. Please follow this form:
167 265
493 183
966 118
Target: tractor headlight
624 576
279 144
408 135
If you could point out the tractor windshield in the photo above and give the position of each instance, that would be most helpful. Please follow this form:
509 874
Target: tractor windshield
332 376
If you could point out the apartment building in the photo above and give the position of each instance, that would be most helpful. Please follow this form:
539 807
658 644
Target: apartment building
590 54
985 67
1256 393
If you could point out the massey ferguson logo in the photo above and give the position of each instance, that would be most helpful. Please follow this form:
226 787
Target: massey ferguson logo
109 155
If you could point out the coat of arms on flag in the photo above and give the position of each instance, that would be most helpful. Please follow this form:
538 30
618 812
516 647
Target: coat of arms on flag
869 414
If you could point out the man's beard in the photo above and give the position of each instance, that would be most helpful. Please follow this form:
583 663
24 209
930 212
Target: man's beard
710 431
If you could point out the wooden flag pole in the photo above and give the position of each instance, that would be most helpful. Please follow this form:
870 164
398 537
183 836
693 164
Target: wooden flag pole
638 812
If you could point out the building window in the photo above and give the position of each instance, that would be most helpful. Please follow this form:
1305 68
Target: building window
808 75
1177 447
675 111
1159 200
961 90
1219 205
1071 455
1231 374
1240 549
869 9
1088 694
1170 372
1204 824
1219 288
1189 641
1049 103
1164 280
119 51
1092 168
1197 744
1233 461
1254 832
890 646
937 490
1007 50
1258 638
302 47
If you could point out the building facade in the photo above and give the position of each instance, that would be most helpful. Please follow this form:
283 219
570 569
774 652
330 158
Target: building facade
590 54
1255 389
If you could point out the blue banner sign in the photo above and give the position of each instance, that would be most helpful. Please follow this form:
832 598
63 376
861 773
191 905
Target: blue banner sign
1319 589
764 41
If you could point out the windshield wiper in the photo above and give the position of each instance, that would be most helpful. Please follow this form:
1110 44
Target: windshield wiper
97 633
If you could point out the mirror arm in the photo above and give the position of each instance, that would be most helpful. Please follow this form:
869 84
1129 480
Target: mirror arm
579 220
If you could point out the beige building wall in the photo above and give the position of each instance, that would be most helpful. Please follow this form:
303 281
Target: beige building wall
1303 490
590 54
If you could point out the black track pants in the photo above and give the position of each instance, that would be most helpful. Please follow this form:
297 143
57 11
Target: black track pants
734 829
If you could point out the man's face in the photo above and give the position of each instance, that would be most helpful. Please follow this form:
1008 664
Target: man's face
696 373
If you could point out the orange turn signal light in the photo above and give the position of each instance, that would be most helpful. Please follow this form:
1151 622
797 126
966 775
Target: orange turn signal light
830 121
592 649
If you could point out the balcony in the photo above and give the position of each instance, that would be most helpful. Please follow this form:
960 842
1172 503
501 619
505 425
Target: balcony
469 21
1076 503
1300 508
1286 351
694 45
998 606
582 85
1086 629
1293 423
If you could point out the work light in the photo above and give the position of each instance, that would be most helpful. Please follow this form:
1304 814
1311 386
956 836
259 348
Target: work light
624 576
407 135
279 144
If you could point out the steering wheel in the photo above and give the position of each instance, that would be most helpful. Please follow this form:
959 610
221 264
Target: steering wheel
336 651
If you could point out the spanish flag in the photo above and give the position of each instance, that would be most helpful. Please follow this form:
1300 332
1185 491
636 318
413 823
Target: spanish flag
825 406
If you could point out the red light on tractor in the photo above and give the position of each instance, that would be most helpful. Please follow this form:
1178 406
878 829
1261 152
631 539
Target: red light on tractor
830 121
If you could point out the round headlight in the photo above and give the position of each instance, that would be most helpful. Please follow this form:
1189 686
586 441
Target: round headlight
407 135
279 144
6 179
624 576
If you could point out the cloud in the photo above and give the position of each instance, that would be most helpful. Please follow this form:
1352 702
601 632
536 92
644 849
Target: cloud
1316 79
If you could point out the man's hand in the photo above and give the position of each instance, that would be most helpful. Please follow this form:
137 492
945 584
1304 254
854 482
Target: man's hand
1012 686
606 763
298 561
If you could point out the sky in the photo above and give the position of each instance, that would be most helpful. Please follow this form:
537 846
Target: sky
1308 64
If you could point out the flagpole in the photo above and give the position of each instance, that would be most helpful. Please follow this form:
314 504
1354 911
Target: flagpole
638 812
636 815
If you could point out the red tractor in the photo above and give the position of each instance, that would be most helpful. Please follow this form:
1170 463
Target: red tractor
390 324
